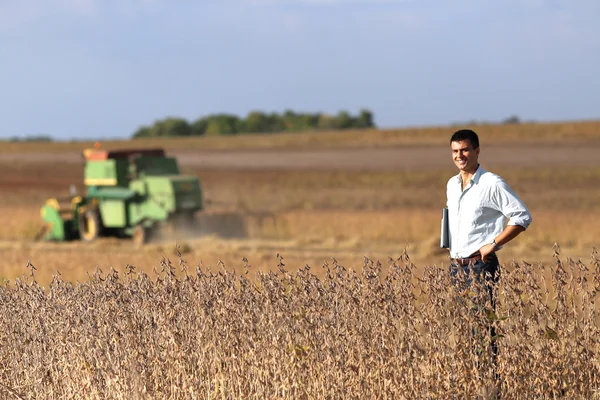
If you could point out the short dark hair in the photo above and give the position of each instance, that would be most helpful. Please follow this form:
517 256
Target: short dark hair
466 134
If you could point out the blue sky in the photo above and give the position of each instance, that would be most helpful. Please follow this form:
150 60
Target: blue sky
102 68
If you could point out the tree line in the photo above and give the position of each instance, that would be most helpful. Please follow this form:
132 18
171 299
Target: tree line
255 122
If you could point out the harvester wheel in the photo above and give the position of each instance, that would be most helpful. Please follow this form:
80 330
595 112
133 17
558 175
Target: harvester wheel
89 225
141 235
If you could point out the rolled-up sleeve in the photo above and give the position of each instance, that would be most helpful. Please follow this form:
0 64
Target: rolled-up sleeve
510 205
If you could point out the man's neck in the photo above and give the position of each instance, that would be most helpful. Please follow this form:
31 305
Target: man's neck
466 176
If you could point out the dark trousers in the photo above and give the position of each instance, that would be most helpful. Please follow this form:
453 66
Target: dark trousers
488 271
481 272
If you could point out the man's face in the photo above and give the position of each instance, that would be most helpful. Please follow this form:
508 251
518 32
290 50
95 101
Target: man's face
464 155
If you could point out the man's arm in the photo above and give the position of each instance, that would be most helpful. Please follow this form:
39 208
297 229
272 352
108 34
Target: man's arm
508 234
519 217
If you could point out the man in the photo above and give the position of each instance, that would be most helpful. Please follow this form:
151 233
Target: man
479 205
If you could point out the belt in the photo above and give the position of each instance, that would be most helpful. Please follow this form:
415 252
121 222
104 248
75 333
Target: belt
467 260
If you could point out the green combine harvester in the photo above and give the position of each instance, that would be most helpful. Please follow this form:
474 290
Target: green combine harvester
130 193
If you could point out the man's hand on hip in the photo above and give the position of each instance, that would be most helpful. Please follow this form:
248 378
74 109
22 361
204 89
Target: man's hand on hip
508 234
486 250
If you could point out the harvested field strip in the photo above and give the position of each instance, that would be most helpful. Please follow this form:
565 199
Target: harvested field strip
304 237
577 131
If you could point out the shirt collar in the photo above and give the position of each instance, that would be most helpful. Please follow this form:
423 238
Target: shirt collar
476 175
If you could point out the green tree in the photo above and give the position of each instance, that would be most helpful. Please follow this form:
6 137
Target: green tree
513 119
222 124
143 131
343 120
175 127
364 120
326 122
256 121
276 123
300 121
310 121
290 120
199 126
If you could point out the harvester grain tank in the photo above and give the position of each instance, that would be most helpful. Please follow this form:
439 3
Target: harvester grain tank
129 193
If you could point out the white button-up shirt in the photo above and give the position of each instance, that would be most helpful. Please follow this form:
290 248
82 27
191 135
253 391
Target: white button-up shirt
477 215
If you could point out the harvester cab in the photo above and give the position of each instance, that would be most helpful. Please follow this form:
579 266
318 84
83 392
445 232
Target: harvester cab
129 193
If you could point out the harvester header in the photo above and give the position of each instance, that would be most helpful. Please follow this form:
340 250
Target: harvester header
97 154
